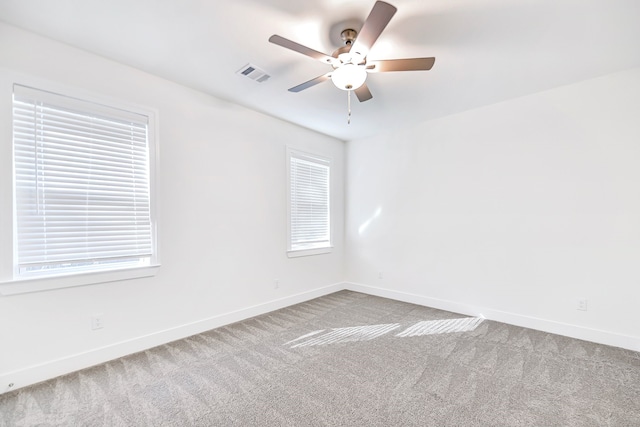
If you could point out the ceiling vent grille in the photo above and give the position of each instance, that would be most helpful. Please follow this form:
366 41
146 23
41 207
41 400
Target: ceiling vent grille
254 73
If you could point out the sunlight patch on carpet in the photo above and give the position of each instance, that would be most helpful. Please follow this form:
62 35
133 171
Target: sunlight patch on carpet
310 334
444 326
370 332
350 334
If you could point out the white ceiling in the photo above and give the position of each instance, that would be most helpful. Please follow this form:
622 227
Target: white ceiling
486 51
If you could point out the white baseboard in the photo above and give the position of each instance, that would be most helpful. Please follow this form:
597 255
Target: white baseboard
54 368
573 331
34 374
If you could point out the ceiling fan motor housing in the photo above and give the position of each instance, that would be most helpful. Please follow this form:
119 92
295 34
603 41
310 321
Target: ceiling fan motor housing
349 35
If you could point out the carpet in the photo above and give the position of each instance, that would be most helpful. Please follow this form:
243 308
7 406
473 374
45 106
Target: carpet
348 359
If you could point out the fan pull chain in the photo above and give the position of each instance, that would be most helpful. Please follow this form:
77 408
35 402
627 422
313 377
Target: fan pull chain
349 106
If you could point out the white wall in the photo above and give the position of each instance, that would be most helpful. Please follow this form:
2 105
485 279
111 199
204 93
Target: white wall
222 230
511 211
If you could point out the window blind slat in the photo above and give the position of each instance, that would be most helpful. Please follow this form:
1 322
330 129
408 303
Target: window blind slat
309 202
82 184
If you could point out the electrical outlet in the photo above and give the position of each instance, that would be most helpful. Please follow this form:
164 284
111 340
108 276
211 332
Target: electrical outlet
581 304
380 275
276 284
97 321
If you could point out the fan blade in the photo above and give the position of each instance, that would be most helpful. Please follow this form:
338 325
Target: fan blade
297 47
312 82
408 64
373 26
363 93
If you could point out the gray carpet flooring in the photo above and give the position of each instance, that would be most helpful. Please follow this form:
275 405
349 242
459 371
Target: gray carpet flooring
348 359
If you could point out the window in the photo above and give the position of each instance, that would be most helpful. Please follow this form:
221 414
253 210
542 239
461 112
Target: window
309 207
82 187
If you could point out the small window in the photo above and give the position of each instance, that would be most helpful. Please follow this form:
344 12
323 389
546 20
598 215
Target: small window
82 187
309 204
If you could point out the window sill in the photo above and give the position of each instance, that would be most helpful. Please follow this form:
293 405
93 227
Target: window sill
39 284
308 252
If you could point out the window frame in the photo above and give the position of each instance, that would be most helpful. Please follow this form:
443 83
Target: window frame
292 251
13 283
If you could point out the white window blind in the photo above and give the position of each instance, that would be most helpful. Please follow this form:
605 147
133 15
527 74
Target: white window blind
309 214
82 188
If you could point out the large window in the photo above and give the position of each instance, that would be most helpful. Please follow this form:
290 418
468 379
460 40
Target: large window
309 204
82 187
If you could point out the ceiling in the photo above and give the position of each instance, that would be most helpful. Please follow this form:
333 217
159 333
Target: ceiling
486 51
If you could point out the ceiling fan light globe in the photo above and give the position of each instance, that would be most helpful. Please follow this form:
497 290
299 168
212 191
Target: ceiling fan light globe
349 77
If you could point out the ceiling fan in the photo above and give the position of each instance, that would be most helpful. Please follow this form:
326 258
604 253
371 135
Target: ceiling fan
350 63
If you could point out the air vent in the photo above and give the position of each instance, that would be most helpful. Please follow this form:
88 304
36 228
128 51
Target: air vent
254 73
